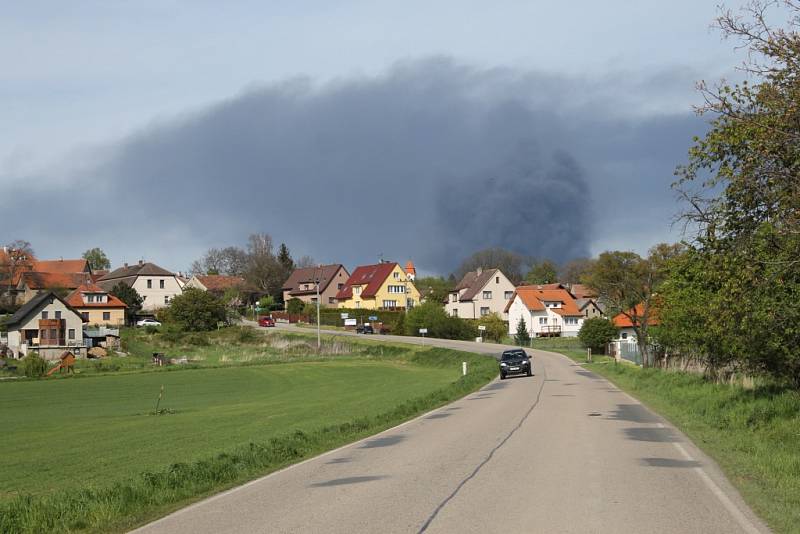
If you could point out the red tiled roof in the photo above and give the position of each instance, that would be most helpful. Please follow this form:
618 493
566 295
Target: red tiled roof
582 291
622 321
220 282
534 299
36 280
373 276
61 266
75 298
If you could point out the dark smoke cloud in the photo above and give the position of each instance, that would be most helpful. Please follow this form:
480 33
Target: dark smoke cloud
431 161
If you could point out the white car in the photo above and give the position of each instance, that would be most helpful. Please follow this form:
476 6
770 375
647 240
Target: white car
148 322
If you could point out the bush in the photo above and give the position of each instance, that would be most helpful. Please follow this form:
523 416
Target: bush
432 316
195 310
596 333
33 366
496 328
294 306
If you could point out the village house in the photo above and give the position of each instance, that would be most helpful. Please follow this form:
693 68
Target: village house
480 293
46 324
33 283
97 306
545 312
624 325
589 307
302 284
156 285
382 286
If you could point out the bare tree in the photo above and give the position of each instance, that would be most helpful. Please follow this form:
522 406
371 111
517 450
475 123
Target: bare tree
17 257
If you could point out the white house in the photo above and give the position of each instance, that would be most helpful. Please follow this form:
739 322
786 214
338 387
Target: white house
546 312
480 293
46 324
157 286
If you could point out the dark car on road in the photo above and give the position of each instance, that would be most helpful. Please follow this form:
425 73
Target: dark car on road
515 362
365 329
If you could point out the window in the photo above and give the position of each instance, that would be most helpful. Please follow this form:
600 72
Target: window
571 320
454 297
396 275
542 320
90 298
455 312
389 303
149 284
484 311
496 279
397 289
166 299
487 295
340 285
58 314
71 333
85 316
357 290
44 315
161 284
53 333
331 300
358 304
106 316
624 335
508 294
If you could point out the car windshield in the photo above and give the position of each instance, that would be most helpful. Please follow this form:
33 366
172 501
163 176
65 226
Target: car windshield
514 355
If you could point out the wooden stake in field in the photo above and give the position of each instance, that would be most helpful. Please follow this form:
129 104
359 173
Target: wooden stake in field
160 395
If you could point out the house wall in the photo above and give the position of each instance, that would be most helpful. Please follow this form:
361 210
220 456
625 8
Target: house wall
372 303
96 316
72 322
327 294
154 296
519 309
498 285
591 311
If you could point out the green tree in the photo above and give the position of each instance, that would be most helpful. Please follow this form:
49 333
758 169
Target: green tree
97 259
522 337
285 259
294 306
575 271
195 310
266 302
434 288
542 272
132 299
432 316
596 333
496 327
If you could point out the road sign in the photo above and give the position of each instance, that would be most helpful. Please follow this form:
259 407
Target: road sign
373 317
345 315
481 327
423 330
351 322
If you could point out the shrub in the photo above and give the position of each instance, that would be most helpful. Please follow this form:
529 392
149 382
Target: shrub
294 306
432 316
34 366
195 310
596 333
496 328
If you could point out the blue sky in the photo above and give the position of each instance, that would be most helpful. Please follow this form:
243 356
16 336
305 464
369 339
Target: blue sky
84 84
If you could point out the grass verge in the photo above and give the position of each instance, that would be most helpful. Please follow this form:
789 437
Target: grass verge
137 499
753 434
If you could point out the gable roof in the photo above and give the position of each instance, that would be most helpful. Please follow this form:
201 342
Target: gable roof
219 282
39 301
38 281
582 291
535 297
307 275
61 266
584 302
622 321
373 276
473 282
76 300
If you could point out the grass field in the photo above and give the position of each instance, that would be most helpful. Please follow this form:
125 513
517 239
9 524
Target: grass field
753 434
86 453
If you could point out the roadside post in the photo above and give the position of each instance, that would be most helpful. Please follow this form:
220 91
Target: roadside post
482 330
422 332
589 355
463 368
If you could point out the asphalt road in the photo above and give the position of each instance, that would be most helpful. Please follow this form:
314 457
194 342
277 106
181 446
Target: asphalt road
562 451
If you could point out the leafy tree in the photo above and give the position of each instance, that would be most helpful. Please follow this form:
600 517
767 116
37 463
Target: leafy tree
542 272
132 299
507 261
434 288
522 337
496 327
575 271
196 310
285 259
432 316
294 306
97 259
266 302
741 197
596 333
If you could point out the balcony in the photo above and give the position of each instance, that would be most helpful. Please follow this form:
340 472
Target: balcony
553 330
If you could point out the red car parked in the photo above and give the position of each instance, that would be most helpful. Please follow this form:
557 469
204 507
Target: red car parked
266 321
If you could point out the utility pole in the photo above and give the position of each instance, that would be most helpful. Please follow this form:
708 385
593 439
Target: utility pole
319 342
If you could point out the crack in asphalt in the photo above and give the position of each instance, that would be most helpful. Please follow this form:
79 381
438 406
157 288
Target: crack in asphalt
487 459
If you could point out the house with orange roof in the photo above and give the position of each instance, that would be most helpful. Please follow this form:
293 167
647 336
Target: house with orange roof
382 286
96 306
32 283
625 322
545 312
62 266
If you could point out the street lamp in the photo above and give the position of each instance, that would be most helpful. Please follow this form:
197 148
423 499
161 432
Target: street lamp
319 342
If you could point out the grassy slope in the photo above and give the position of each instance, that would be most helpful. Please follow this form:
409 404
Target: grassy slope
98 428
754 435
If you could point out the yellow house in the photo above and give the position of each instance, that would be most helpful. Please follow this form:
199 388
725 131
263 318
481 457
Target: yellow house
97 306
383 286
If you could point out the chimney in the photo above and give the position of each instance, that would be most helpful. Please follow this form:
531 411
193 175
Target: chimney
125 265
141 262
480 270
